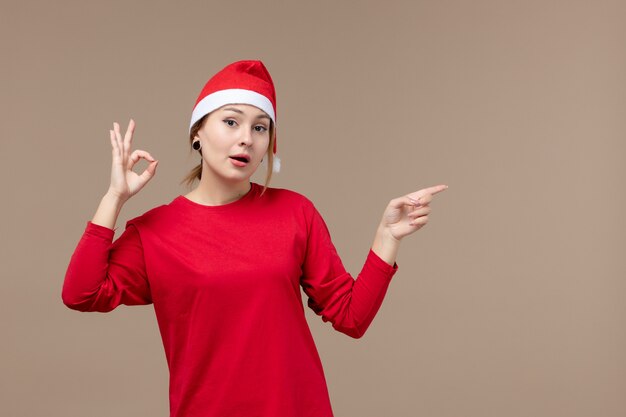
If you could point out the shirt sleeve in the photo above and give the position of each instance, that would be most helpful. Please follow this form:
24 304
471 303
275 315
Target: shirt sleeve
349 304
103 274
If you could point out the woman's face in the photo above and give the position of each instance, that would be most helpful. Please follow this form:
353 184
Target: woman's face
231 135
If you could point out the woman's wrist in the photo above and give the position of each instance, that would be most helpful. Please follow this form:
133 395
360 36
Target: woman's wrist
108 211
385 245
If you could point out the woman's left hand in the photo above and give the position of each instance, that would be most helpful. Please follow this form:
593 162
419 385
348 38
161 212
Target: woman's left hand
407 214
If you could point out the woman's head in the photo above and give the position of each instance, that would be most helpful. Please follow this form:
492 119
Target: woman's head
243 90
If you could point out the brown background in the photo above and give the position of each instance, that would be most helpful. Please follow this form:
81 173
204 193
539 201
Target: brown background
510 302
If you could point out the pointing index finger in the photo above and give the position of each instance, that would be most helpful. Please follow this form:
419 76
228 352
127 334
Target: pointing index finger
428 191
436 189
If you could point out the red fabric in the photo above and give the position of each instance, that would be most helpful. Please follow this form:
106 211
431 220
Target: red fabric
225 285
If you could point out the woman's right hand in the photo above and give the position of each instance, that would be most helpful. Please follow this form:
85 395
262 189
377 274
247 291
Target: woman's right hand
125 183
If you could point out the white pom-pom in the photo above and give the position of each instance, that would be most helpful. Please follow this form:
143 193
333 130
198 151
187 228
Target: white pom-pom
276 164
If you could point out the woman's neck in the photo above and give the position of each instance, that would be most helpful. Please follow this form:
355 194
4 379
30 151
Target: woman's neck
212 192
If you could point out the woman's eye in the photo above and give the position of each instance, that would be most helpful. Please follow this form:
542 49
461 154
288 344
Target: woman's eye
229 122
260 128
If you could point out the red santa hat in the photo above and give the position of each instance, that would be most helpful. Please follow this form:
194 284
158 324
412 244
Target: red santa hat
242 82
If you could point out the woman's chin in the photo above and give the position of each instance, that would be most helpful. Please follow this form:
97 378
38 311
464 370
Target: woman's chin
232 173
237 176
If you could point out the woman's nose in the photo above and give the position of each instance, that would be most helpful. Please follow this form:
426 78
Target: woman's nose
246 138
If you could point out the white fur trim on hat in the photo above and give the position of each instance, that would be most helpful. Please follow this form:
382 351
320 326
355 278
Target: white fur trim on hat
231 96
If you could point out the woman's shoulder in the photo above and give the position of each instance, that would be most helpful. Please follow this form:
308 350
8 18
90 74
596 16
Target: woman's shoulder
286 195
154 214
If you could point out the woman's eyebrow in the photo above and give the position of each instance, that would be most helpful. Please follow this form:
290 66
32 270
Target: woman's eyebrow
260 116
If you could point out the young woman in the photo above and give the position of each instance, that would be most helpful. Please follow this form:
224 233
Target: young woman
223 264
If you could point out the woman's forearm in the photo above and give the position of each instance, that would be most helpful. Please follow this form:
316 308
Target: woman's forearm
385 245
108 211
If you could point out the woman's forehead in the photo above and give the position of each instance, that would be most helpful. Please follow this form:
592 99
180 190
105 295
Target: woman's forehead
246 109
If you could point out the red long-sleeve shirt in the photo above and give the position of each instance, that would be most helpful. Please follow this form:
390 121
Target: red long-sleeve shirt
225 285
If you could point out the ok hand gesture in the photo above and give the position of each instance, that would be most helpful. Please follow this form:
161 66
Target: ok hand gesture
124 181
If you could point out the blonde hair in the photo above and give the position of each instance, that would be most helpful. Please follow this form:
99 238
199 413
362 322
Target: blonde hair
196 173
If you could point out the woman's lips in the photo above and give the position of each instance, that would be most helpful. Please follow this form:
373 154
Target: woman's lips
237 162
